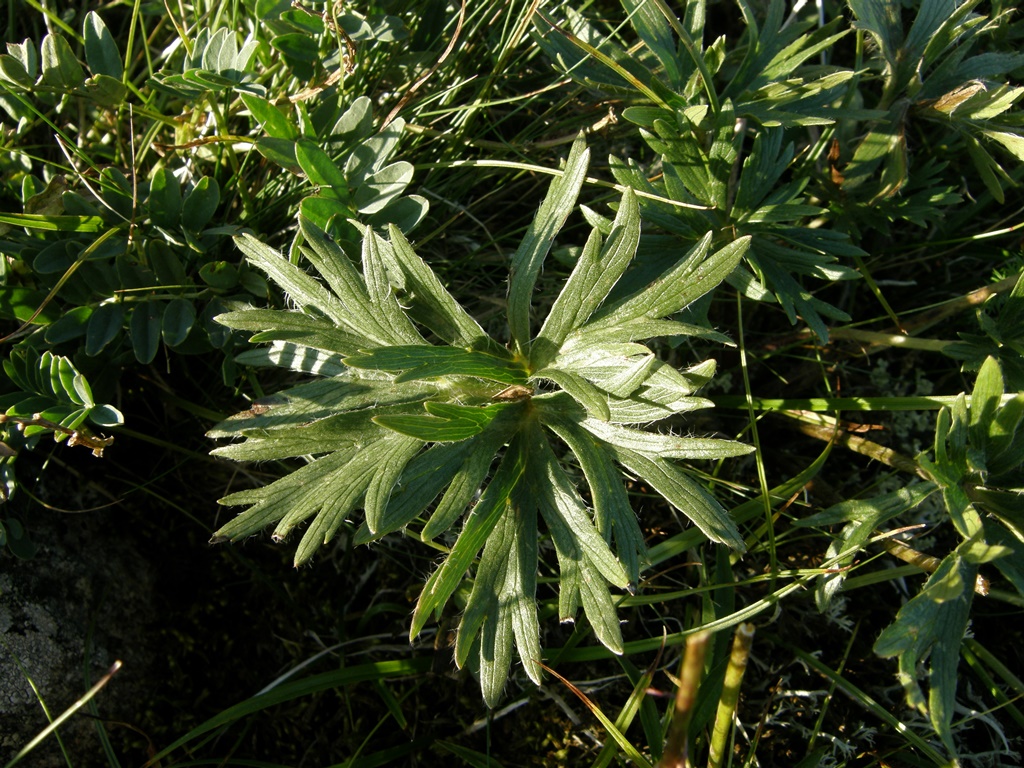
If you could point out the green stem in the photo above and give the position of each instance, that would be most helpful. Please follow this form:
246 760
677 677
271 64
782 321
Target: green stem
125 79
552 172
826 404
762 477
873 286
891 339
621 71
741 643
243 191
56 20
85 254
65 715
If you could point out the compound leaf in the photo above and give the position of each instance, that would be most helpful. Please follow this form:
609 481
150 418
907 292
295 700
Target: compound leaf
423 433
933 621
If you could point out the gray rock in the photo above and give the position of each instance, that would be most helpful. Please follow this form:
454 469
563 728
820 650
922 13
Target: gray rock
83 601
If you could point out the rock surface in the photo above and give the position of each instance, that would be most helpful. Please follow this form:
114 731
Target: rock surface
66 615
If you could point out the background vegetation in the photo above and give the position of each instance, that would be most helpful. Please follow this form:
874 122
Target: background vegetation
845 178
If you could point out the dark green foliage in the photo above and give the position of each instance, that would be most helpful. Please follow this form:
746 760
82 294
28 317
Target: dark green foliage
692 130
153 280
978 456
1001 322
805 217
748 182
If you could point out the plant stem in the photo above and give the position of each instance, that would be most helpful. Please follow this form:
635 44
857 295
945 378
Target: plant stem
891 339
826 404
741 643
65 715
690 671
828 429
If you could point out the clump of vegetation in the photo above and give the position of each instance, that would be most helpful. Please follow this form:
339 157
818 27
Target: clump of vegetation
399 420
336 221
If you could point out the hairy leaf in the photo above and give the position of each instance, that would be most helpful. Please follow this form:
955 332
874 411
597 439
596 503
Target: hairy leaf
468 433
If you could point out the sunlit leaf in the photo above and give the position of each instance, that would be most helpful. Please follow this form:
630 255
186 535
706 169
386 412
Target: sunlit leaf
459 433
527 261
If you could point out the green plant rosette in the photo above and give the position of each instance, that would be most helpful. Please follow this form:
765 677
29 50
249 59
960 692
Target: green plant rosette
418 416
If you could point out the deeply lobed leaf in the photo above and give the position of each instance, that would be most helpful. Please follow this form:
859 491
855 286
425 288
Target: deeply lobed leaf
421 433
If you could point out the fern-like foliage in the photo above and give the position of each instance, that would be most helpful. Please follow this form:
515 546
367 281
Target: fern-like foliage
45 394
418 414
